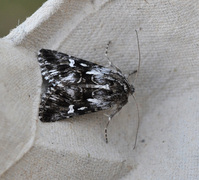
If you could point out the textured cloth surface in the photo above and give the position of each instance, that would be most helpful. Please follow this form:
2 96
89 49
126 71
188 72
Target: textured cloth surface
166 90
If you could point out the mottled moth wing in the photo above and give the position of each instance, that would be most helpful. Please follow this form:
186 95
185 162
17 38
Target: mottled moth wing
77 86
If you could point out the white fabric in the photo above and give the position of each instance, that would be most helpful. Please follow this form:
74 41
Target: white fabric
166 90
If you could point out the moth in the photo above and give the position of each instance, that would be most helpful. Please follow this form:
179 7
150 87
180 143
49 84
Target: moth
76 87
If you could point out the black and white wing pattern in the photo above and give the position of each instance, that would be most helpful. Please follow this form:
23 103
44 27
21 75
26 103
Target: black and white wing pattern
76 86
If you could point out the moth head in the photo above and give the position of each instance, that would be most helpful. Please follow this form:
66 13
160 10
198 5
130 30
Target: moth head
132 89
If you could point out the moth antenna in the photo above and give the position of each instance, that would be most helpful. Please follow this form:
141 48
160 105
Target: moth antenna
139 57
138 121
137 71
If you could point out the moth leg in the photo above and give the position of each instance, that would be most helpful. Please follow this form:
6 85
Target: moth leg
106 53
109 119
132 73
109 61
135 71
